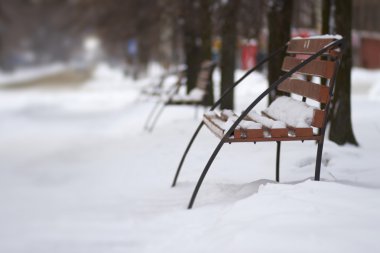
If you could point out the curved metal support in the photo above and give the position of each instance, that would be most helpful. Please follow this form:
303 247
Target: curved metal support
146 125
278 161
185 153
205 170
155 119
170 93
322 133
318 161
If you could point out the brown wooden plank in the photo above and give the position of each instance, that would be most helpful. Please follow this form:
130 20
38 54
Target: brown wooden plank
278 132
307 46
265 139
274 132
242 133
318 118
316 67
303 132
205 74
217 130
307 89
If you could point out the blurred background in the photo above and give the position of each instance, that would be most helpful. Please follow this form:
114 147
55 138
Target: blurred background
52 38
134 33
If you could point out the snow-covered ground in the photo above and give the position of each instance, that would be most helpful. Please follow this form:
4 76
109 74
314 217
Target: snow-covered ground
78 174
22 75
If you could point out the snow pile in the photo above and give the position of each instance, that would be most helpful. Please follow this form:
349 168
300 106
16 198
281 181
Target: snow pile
267 122
294 113
245 124
231 118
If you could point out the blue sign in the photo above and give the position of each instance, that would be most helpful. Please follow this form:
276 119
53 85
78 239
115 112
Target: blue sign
132 47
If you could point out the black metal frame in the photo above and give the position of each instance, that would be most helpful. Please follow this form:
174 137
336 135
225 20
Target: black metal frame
225 138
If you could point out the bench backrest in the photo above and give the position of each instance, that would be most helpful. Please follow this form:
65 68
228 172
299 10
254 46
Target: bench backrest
324 68
205 74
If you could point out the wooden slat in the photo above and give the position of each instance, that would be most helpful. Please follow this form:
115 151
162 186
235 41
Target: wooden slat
279 132
241 132
303 132
253 134
318 118
216 129
203 79
205 74
265 139
274 132
306 89
307 46
316 68
248 133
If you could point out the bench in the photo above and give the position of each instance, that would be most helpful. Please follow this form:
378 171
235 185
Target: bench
161 88
196 97
286 118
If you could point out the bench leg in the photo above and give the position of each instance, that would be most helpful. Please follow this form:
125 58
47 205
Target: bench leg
278 161
150 129
151 114
185 153
318 161
205 170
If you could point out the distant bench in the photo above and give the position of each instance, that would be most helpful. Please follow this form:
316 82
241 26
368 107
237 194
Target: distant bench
196 97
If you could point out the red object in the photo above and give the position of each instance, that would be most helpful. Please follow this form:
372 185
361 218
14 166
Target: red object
248 55
369 52
302 34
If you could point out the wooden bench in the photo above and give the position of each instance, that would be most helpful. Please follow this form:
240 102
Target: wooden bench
197 96
286 119
162 88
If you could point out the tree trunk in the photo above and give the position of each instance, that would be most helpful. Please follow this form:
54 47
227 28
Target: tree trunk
279 24
205 29
341 131
326 10
228 50
191 40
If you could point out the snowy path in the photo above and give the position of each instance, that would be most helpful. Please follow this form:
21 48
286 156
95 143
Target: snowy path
78 174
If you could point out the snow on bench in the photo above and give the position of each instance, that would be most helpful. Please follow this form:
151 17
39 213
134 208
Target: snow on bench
223 122
285 117
294 113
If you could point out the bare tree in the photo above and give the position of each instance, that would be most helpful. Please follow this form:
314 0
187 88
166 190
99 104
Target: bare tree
206 38
341 131
228 53
279 24
196 28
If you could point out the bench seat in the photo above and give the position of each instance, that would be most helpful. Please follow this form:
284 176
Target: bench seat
219 124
